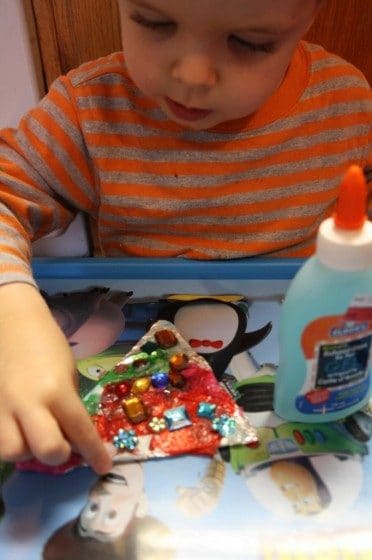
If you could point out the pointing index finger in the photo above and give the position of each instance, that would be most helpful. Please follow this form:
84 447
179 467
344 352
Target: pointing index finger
80 431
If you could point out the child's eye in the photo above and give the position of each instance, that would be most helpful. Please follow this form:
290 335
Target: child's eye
156 25
248 46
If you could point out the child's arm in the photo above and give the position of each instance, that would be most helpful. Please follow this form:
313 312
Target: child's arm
45 177
41 413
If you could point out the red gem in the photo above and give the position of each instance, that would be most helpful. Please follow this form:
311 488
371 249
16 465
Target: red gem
122 389
165 338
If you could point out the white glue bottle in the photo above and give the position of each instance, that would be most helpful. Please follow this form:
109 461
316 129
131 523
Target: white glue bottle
325 327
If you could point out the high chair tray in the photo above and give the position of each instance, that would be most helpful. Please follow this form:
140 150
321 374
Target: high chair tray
303 492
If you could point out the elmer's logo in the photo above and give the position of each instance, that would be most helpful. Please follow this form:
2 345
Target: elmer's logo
349 329
330 328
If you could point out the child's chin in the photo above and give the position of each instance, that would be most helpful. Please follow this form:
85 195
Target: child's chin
203 124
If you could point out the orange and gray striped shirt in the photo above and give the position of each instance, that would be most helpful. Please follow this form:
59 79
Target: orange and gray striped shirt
256 186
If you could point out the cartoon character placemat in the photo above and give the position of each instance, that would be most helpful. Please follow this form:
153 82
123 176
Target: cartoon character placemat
163 399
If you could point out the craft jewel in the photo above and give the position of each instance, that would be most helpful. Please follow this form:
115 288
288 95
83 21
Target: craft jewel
157 424
177 418
157 355
148 347
225 425
160 380
122 389
207 410
178 362
177 380
141 385
165 338
134 409
125 439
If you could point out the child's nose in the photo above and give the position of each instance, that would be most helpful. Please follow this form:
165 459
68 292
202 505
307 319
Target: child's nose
195 70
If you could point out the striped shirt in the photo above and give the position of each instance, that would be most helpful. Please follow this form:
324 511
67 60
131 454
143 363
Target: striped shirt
256 186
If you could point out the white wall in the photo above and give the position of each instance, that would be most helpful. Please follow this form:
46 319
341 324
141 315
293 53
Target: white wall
18 93
18 87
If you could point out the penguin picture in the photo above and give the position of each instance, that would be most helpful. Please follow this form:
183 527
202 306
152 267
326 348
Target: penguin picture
214 326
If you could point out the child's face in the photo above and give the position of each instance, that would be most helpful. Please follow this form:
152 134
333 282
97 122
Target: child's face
211 61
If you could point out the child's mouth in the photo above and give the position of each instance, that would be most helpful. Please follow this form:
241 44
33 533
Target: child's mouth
186 113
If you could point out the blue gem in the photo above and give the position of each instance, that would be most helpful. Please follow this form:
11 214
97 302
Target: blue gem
225 425
125 439
206 410
160 380
177 418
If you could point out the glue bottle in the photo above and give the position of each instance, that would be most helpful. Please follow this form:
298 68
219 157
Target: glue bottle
325 327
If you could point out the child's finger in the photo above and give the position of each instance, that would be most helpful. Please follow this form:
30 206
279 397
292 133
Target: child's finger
44 436
83 436
12 443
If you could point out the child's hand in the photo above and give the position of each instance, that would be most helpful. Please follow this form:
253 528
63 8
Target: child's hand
41 414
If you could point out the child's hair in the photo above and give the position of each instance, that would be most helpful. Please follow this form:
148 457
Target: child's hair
145 538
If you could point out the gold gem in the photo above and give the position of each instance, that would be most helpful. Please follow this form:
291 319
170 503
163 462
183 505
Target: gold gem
134 409
141 385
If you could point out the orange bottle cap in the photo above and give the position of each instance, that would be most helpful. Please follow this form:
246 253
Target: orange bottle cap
352 201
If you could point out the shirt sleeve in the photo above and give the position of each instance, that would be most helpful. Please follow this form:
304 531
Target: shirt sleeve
46 177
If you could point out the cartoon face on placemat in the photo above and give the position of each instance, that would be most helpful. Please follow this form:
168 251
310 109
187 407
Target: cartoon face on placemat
163 399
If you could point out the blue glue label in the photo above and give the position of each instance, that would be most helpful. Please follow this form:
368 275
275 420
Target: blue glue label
344 363
337 350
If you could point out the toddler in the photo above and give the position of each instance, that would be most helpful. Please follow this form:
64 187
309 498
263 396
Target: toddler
217 134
